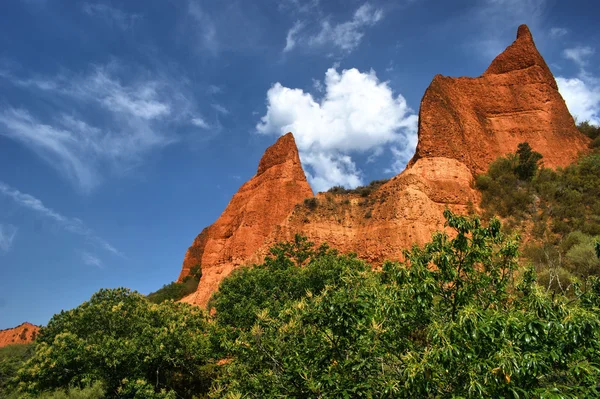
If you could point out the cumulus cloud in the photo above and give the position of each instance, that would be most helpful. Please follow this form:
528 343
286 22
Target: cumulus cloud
7 236
581 93
109 125
582 97
72 225
357 114
344 36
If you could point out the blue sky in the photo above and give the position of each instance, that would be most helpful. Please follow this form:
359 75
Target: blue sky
126 126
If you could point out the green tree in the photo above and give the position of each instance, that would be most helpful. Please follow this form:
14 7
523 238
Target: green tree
290 271
135 348
528 161
450 321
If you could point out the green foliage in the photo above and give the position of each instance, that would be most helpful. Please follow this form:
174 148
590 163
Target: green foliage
591 131
175 291
135 348
449 322
12 357
291 270
556 206
528 164
95 391
503 193
311 203
363 191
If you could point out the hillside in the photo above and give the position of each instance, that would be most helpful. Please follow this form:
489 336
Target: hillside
464 124
22 334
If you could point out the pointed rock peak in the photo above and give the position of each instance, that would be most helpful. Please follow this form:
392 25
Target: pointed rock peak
521 54
524 33
284 149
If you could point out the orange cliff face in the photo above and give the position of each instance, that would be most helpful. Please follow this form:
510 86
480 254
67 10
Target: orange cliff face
23 334
476 120
259 205
464 125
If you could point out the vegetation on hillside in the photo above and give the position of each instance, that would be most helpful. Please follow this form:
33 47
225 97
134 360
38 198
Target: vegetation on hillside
466 315
363 191
459 318
175 290
558 210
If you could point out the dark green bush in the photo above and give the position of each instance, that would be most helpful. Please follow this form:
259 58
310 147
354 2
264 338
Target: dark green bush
450 322
136 349
311 203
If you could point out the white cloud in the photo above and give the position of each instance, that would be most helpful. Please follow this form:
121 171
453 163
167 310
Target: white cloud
115 16
220 109
582 97
558 32
72 225
290 40
7 236
90 259
579 54
347 35
110 124
200 122
581 93
357 114
344 36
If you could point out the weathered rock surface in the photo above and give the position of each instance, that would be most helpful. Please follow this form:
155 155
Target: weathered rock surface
464 125
476 120
260 204
22 334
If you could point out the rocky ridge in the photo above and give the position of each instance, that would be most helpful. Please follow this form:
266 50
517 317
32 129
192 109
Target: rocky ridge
464 124
22 334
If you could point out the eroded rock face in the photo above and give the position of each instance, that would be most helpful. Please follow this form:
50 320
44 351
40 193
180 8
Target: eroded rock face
464 125
22 334
476 120
260 204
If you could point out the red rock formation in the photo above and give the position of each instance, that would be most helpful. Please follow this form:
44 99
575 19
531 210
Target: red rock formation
22 334
464 124
476 120
260 204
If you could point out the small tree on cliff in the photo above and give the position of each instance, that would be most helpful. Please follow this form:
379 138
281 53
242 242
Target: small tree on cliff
528 162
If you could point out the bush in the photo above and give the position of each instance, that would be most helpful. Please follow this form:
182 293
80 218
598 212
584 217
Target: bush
133 347
291 270
12 357
450 322
311 203
363 191
174 291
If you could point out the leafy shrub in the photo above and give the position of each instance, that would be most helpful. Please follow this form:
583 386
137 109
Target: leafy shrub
591 131
363 191
449 322
311 203
174 291
133 347
291 270
12 357
95 391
